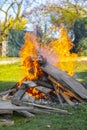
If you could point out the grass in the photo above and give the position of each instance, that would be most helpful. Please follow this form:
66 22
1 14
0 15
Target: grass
10 74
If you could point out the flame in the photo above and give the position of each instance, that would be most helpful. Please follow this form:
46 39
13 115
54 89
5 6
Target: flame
62 46
56 53
29 58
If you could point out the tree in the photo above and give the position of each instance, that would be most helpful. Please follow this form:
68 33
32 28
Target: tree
52 15
80 29
13 18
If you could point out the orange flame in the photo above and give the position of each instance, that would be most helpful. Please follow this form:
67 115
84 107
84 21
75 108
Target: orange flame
29 58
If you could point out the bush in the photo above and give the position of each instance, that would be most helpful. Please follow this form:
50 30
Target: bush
82 47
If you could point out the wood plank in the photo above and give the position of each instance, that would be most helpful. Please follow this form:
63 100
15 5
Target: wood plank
59 98
65 89
64 79
6 122
48 108
23 88
67 99
44 83
7 105
43 89
26 114
6 112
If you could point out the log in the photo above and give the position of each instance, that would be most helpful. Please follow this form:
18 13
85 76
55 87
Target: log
65 80
23 88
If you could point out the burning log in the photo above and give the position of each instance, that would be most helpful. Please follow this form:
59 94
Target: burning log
65 80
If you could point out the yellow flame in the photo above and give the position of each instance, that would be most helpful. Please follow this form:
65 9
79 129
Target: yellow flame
62 46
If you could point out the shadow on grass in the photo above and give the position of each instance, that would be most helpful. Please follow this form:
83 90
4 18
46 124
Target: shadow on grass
6 85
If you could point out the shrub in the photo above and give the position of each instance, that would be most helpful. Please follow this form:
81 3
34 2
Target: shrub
82 47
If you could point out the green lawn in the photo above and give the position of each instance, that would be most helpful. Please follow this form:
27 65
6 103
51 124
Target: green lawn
10 74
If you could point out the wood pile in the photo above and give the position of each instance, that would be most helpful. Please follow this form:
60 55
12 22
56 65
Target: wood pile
57 86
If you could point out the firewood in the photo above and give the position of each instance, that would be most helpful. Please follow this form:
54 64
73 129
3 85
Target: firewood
65 80
7 105
45 84
6 122
48 108
67 98
43 89
39 111
6 112
25 113
65 89
23 88
56 90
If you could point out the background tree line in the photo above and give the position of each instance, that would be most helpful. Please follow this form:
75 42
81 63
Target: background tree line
46 18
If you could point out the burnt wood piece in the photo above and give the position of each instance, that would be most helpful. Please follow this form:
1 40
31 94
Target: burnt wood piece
45 84
65 80
43 89
65 89
56 90
23 88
